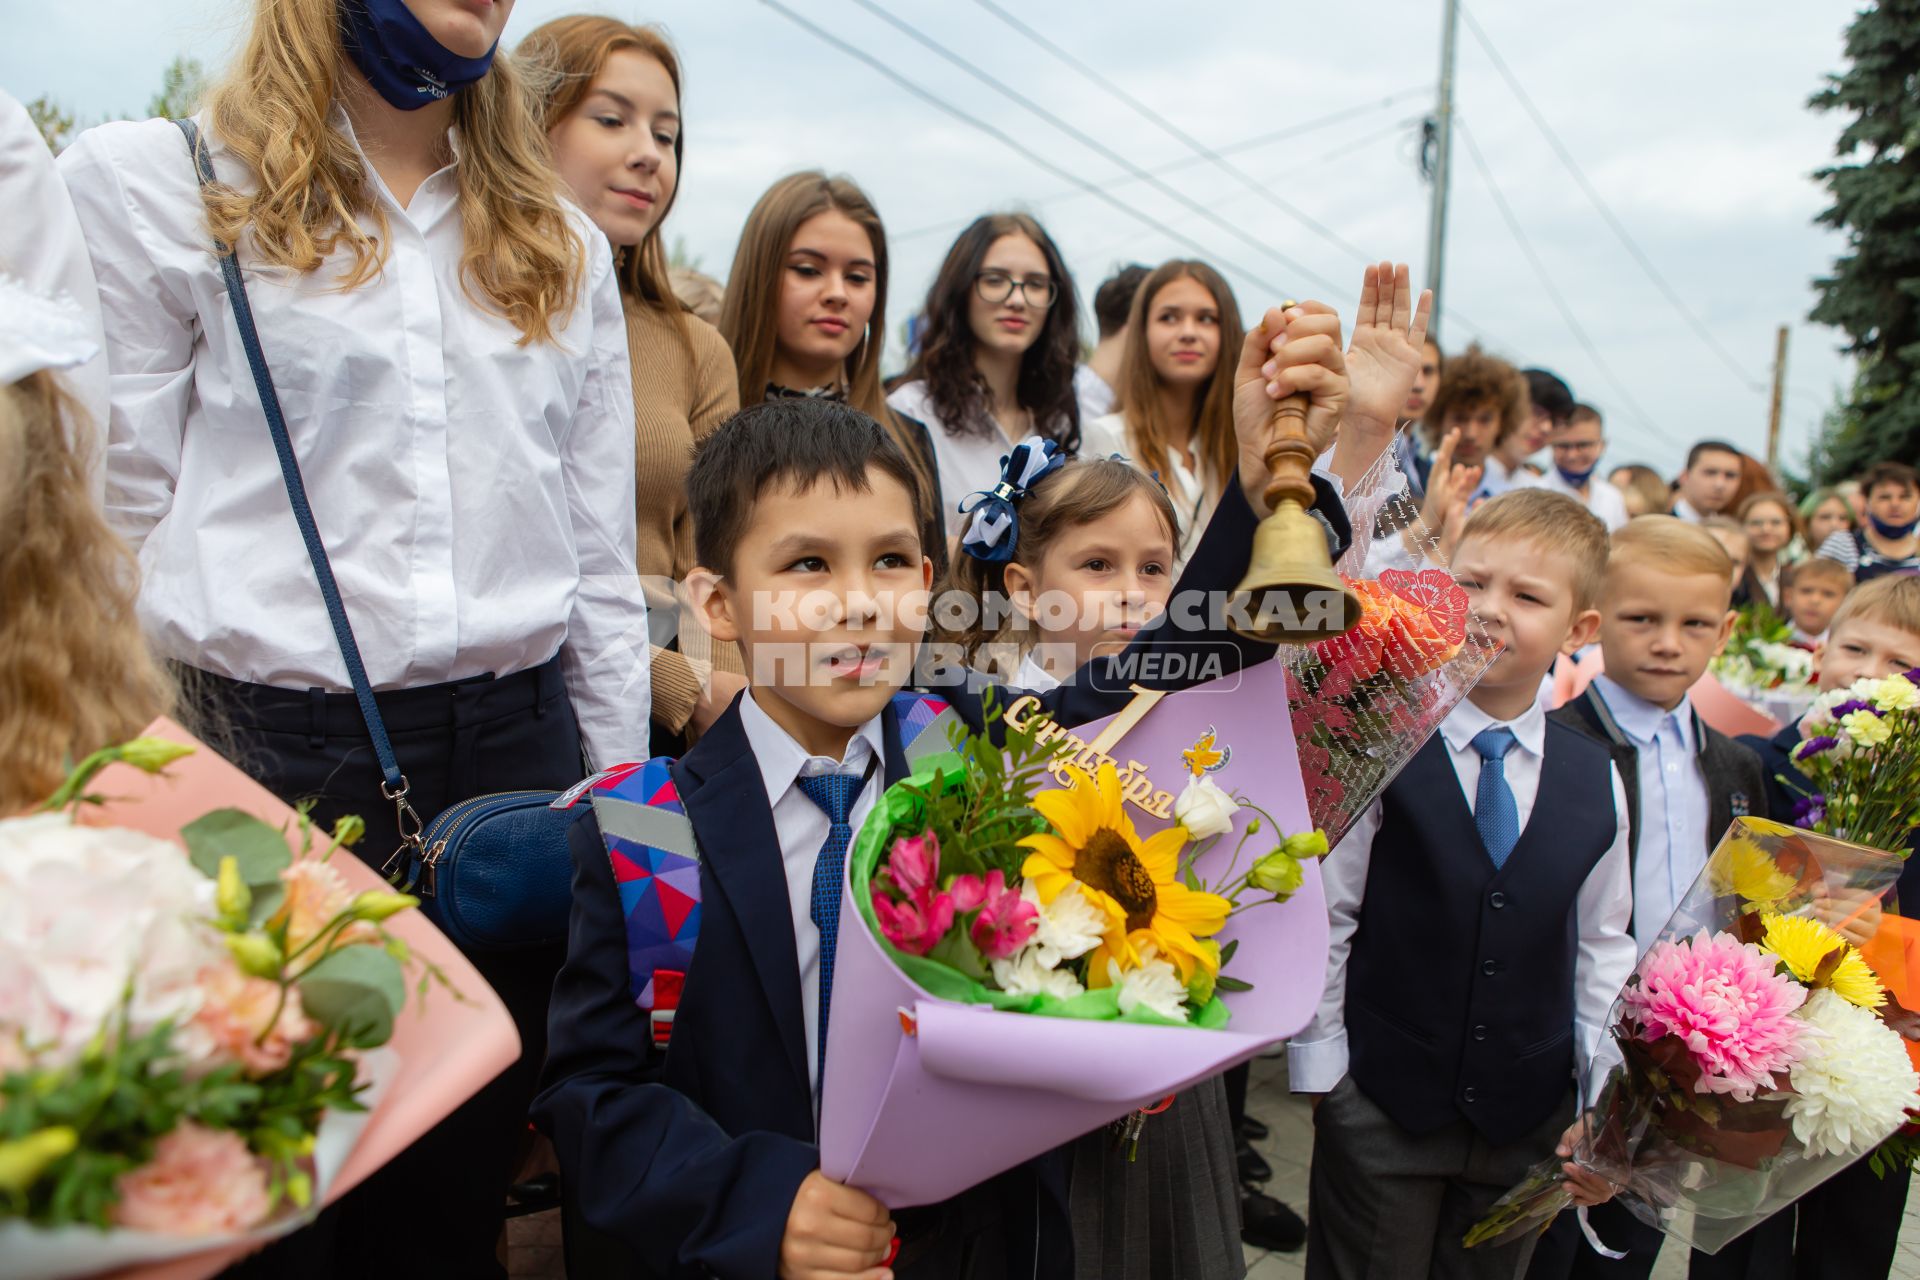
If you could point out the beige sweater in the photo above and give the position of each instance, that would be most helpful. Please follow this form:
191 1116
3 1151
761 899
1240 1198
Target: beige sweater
679 397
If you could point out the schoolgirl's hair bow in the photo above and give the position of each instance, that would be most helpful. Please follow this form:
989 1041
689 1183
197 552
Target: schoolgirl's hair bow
995 527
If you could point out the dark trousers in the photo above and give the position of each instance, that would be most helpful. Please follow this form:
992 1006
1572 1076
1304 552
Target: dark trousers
438 1208
1387 1204
1563 1252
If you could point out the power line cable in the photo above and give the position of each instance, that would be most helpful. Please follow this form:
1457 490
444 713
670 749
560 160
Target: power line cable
1667 291
1188 162
1013 144
1193 144
1546 281
1094 144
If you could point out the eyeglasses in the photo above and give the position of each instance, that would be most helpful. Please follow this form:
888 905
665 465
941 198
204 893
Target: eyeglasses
1575 446
998 286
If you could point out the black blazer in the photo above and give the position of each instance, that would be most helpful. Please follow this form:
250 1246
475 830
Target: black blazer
692 1162
1736 785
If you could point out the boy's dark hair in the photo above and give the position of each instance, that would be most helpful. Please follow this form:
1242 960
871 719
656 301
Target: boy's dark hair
1584 413
1889 473
1474 380
801 440
1114 298
1710 446
1549 394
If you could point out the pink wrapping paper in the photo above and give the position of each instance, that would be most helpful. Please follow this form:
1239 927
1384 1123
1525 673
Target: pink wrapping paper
447 1049
914 1119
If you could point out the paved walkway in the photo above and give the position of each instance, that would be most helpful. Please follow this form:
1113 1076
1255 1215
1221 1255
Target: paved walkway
534 1242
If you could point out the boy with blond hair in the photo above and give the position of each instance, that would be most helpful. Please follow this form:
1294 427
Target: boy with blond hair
1665 610
1480 913
1850 1224
1810 594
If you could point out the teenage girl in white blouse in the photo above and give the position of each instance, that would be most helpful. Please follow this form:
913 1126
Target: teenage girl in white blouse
446 339
997 359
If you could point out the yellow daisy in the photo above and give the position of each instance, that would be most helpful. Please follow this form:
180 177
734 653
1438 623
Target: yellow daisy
1135 882
1740 866
1801 944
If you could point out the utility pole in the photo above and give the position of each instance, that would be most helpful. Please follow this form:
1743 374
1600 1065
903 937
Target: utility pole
1779 387
1442 149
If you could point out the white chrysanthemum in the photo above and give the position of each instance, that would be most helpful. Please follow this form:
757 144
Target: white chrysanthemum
1794 666
84 911
1068 928
1866 728
1152 984
1856 1082
1025 974
1896 693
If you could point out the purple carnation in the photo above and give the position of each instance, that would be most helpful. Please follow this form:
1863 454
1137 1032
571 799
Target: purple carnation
1852 705
1815 745
1809 811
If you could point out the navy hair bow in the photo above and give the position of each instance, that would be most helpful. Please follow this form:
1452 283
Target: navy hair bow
995 527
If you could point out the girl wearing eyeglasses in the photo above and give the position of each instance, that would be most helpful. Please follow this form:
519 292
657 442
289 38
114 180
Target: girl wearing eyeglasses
997 359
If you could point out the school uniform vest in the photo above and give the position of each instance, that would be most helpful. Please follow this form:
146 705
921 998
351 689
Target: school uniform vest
1460 984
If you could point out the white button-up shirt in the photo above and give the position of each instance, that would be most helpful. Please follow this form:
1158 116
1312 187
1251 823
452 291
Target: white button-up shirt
802 827
475 495
1603 909
1673 805
1194 490
40 245
968 463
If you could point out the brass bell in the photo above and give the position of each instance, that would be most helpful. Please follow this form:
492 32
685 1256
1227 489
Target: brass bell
1291 594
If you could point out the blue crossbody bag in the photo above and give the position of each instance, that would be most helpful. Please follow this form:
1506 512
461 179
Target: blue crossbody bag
492 871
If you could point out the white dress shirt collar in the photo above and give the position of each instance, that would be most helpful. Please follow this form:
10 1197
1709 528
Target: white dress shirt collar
782 759
1640 719
1466 721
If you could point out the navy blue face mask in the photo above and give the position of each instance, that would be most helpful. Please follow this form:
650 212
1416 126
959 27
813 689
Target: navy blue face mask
1892 532
1575 479
400 57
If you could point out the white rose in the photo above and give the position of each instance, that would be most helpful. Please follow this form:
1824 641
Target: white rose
84 911
1204 809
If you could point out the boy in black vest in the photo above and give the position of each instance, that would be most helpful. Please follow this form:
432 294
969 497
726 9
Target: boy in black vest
1664 612
1480 914
701 1161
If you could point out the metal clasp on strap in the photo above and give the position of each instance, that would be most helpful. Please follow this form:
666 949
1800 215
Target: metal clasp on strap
413 849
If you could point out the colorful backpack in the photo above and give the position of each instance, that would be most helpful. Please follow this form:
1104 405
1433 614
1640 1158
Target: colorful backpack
656 861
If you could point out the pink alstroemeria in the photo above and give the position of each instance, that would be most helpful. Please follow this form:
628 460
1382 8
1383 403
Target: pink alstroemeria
914 863
915 926
1006 921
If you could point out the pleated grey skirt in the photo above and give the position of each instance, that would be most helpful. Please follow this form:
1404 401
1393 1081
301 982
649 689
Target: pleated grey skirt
1173 1212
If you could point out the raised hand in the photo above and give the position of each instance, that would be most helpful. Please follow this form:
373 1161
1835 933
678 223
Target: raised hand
1444 511
1290 352
1389 333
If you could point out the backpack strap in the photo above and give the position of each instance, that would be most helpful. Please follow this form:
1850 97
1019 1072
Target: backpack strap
656 869
924 721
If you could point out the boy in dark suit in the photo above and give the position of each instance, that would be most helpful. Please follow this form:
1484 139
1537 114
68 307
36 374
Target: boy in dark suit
702 1161
1479 917
1849 1225
1664 612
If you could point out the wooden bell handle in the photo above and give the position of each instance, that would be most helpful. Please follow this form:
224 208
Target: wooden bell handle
1290 457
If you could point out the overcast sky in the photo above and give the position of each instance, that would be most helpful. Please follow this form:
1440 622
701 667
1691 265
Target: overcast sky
1689 120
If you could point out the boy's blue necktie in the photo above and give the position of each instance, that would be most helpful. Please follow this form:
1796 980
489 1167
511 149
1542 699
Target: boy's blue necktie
1494 811
835 794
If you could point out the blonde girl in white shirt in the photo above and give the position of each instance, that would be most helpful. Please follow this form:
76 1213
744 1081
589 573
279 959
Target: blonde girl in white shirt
1175 415
446 339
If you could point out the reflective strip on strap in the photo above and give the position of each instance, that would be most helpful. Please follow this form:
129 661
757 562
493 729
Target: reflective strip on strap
645 824
933 738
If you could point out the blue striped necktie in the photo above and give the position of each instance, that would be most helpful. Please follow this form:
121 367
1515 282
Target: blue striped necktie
1494 812
835 794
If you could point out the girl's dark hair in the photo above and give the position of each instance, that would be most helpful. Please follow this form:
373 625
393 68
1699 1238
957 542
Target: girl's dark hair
1079 493
946 363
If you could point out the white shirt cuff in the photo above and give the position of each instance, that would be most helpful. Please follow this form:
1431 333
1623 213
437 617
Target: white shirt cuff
1316 1066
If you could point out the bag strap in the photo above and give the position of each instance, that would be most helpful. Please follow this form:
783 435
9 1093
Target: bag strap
393 783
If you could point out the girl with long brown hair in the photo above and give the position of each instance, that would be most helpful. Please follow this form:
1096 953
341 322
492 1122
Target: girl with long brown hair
1175 408
446 341
610 94
75 672
997 360
806 314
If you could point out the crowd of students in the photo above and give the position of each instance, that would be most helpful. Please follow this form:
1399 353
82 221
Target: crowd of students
509 415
